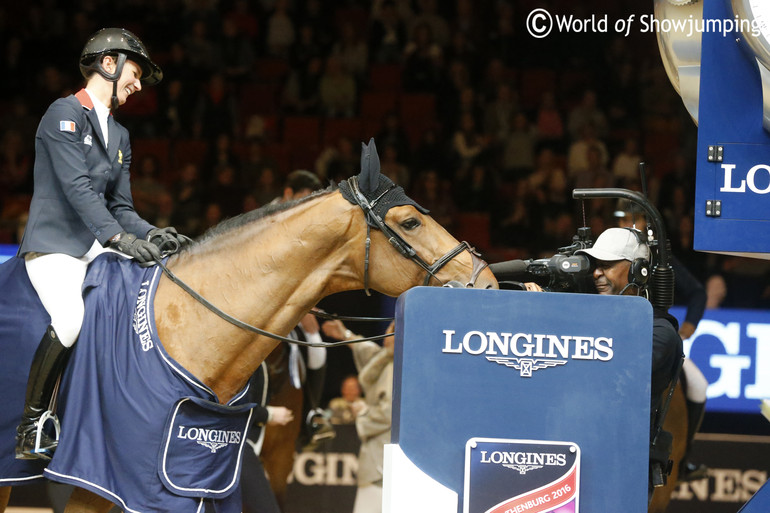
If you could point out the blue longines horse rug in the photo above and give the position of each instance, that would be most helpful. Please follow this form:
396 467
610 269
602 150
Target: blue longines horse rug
136 428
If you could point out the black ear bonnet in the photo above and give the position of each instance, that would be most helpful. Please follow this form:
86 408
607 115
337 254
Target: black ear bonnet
378 189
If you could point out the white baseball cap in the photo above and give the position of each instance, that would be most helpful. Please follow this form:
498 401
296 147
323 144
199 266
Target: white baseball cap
618 244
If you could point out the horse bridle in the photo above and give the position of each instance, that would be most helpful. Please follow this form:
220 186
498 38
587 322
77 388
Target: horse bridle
395 240
404 247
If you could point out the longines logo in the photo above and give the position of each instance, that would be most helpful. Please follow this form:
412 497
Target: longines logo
141 313
528 351
212 439
523 462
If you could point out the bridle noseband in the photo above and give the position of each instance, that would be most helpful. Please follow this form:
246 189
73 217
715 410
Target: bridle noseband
404 247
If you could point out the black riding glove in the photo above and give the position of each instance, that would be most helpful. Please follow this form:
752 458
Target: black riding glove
141 250
168 240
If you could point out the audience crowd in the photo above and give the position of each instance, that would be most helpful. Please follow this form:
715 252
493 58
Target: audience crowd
489 128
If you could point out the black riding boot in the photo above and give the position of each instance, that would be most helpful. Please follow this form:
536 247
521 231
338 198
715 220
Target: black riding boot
48 363
689 471
317 427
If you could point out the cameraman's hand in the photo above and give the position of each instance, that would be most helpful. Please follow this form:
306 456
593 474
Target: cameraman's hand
141 250
533 287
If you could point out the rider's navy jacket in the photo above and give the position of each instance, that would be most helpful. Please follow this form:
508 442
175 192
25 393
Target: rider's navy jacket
82 190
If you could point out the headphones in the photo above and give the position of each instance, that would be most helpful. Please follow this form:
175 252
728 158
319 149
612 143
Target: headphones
639 271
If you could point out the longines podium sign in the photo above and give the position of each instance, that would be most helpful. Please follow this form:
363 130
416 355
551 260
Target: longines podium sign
508 402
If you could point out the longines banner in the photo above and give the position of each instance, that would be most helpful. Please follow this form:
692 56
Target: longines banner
738 467
324 480
525 377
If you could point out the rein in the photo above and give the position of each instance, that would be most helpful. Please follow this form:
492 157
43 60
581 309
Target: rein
248 327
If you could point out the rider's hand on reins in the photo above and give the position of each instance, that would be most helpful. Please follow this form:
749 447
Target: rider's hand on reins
141 250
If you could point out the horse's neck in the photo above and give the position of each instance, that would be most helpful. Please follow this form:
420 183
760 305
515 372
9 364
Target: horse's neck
268 273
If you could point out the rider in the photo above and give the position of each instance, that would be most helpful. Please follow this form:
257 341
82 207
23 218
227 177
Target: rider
316 428
688 291
81 206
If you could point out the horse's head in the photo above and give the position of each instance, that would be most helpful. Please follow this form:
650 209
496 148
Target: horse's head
407 247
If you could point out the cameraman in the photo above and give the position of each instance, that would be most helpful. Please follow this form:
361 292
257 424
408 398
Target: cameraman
620 263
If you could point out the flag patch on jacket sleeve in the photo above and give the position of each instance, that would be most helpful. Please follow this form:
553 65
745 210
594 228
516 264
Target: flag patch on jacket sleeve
66 126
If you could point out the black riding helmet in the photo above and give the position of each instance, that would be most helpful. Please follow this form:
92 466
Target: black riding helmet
125 45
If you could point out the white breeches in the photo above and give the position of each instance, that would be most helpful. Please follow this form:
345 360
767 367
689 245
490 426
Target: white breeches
696 382
58 279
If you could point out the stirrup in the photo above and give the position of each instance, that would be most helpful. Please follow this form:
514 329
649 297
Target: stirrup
39 452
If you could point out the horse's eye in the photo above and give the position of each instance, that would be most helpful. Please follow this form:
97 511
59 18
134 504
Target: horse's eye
410 224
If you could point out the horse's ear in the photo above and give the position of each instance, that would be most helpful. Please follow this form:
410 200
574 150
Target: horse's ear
369 179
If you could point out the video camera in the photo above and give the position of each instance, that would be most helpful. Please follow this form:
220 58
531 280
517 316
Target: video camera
563 272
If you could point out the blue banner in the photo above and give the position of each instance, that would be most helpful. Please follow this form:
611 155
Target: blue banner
732 349
7 251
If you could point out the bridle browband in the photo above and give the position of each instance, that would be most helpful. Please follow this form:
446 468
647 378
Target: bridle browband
395 240
403 246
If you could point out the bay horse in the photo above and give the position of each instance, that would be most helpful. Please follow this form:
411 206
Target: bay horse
269 267
279 444
675 423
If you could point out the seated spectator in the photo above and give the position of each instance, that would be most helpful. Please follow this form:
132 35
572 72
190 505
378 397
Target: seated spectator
393 168
474 192
216 110
422 61
345 409
499 114
254 162
431 154
268 187
549 122
428 14
280 30
587 112
338 162
15 165
234 53
352 52
174 110
577 156
187 195
244 18
337 90
519 149
393 133
226 191
625 166
199 50
147 190
595 174
387 35
219 153
305 47
467 143
301 94
435 194
212 216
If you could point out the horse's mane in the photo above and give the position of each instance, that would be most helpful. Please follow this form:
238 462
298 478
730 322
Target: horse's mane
255 215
